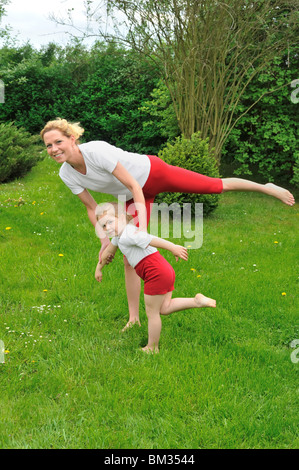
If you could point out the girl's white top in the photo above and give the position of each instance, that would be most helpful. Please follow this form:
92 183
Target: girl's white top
134 245
101 159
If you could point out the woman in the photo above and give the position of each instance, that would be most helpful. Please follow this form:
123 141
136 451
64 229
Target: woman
104 168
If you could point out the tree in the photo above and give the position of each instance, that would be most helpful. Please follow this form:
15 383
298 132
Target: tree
207 51
3 31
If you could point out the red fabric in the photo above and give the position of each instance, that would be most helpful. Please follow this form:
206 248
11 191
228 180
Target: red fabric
158 275
168 178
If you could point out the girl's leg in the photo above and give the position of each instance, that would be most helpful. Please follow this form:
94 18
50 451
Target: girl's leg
170 305
133 286
152 306
164 304
237 184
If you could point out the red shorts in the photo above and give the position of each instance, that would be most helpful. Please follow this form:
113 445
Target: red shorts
168 178
158 275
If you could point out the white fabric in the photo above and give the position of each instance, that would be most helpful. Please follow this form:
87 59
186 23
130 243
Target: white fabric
101 159
134 245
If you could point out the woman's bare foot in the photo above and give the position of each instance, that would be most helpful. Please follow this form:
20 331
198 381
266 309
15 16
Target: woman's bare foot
130 324
203 301
280 193
150 350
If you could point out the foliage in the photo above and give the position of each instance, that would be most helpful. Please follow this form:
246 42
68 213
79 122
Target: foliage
295 179
160 113
204 51
192 154
103 88
118 97
19 152
264 141
4 32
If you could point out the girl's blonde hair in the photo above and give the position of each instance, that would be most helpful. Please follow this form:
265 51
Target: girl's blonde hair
113 208
66 128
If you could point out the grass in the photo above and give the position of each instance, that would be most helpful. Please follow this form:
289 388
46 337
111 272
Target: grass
224 377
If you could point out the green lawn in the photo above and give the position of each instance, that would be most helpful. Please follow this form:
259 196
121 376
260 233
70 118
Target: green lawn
224 377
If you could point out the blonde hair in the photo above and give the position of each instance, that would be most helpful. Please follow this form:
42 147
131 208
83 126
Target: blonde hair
66 128
113 208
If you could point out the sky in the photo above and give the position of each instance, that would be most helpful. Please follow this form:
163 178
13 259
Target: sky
29 20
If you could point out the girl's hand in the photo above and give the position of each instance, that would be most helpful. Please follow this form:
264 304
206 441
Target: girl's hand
98 275
103 247
180 252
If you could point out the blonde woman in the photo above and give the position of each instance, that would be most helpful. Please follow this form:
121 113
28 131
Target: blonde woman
103 168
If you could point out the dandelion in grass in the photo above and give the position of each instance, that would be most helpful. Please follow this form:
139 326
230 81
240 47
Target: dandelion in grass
276 242
45 290
283 294
193 269
8 228
42 213
60 254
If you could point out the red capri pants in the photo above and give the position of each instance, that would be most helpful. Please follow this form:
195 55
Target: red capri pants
167 178
158 275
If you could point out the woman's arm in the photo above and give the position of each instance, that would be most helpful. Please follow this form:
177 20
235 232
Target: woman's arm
91 205
177 250
127 180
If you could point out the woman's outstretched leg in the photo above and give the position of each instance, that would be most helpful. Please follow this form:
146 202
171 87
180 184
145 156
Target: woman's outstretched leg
238 184
168 178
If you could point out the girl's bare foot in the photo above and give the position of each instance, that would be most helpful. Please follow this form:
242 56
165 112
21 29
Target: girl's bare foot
130 324
149 350
280 193
203 301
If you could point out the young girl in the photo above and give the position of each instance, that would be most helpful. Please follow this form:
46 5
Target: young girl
140 249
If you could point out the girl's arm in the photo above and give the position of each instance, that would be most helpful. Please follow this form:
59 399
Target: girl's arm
127 180
109 251
177 250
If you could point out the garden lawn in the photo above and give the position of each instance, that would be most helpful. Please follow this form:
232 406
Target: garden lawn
224 378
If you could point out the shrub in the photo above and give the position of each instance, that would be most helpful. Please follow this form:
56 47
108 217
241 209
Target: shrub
192 154
19 152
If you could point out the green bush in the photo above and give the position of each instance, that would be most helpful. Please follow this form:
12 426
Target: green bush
264 142
192 154
19 152
295 179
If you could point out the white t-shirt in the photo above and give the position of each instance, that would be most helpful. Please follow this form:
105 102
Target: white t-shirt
134 245
101 159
